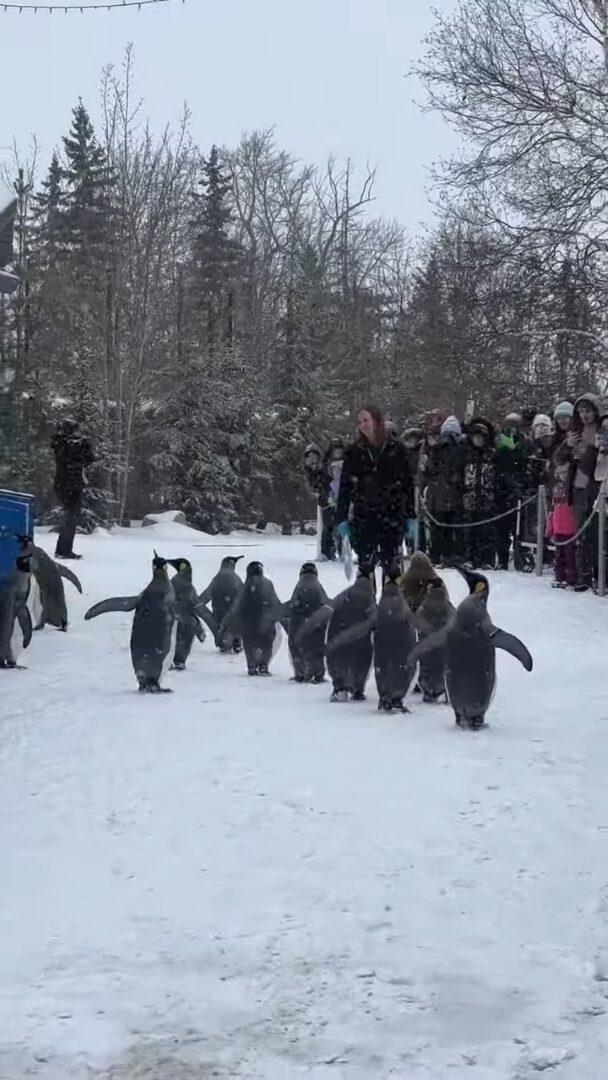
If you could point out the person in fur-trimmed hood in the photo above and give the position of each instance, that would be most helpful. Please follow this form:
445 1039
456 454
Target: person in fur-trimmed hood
582 485
479 492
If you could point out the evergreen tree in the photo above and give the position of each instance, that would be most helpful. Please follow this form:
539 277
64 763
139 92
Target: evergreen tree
87 181
215 257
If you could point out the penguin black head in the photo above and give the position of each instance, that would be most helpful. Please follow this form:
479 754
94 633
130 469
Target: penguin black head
478 584
181 565
159 565
309 568
24 563
255 569
366 570
229 562
393 573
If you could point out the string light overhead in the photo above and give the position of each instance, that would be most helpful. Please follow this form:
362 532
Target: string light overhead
81 8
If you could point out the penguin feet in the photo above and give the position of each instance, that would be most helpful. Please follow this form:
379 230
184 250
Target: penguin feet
11 665
318 678
153 688
474 723
63 629
417 689
385 706
297 679
178 666
431 699
358 695
339 697
237 647
263 670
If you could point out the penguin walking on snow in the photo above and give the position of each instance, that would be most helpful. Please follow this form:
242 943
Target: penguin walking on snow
471 641
223 591
15 619
349 638
255 616
154 625
307 653
433 615
49 604
394 641
188 624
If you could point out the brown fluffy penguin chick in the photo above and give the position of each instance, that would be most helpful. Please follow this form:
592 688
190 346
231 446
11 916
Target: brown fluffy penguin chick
417 577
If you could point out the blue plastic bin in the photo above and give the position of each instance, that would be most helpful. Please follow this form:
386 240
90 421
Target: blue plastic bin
16 518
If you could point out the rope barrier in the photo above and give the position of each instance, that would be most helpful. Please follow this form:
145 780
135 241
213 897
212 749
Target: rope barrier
476 524
82 8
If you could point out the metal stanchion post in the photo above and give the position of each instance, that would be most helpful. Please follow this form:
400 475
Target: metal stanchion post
601 542
319 531
540 531
417 516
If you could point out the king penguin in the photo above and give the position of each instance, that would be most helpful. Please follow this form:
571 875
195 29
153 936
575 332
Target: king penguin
48 605
433 615
349 638
154 625
307 653
255 615
394 640
223 591
188 625
471 641
15 620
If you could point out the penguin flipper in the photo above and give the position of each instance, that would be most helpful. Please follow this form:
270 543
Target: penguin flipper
511 644
429 644
25 622
69 575
205 596
199 632
319 620
115 603
201 611
354 633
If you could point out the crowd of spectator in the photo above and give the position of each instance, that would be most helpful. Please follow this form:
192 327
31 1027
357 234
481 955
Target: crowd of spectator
454 488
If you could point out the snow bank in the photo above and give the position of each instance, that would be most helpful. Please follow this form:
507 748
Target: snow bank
176 516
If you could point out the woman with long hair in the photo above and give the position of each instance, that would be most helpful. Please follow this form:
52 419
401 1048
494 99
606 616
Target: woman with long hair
374 491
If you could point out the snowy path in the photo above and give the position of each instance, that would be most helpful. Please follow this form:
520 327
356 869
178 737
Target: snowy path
241 880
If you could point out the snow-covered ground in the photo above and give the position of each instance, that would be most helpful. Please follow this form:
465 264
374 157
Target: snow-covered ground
242 880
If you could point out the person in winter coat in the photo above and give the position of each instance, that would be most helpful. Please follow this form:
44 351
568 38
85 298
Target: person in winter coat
582 485
375 481
442 480
540 455
510 479
412 439
431 427
333 460
561 523
73 454
479 493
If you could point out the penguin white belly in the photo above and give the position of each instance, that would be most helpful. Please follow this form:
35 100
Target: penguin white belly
34 601
169 657
278 637
16 640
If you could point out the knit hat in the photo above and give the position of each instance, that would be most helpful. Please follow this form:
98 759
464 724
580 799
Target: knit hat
514 419
541 426
565 408
451 426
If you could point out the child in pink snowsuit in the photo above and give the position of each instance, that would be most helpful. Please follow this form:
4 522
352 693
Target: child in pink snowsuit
561 526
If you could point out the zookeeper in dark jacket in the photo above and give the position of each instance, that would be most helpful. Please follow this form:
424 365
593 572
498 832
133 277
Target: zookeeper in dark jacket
73 454
374 489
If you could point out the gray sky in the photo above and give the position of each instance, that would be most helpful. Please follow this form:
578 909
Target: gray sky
327 73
